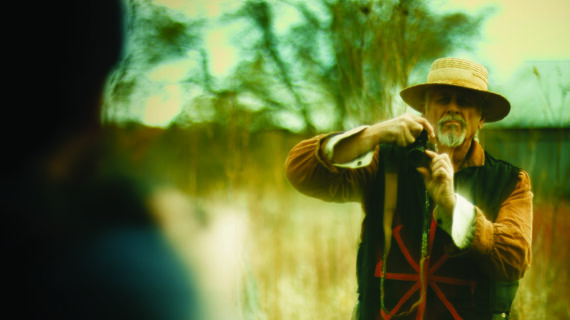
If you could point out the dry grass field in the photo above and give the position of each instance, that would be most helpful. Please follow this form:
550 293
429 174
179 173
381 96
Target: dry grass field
263 251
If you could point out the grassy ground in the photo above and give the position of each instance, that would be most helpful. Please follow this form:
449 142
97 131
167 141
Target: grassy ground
303 255
264 251
292 257
544 292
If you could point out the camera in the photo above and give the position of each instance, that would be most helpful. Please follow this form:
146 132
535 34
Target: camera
416 151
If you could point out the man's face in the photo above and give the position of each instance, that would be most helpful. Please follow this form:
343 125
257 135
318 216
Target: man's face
455 114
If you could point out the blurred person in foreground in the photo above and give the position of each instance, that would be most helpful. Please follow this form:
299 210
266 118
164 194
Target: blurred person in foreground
447 231
82 241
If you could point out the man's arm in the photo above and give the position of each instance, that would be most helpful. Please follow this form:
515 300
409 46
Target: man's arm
503 248
401 130
312 173
315 167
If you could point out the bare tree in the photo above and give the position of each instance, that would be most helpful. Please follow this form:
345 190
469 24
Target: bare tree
359 54
350 56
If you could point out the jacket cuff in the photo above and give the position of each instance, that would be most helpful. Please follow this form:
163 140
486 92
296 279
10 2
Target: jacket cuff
362 161
484 238
461 226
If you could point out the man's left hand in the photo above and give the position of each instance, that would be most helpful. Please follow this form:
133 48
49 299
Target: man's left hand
439 181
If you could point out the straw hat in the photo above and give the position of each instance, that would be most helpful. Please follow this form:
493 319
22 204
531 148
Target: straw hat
461 73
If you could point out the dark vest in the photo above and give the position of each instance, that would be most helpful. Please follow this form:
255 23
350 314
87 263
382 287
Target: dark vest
486 187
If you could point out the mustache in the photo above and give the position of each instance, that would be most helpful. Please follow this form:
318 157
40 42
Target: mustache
452 117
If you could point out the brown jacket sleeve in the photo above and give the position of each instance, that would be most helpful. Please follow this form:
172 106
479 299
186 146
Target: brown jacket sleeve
503 247
312 173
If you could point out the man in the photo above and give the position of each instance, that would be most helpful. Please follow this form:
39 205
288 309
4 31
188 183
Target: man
446 239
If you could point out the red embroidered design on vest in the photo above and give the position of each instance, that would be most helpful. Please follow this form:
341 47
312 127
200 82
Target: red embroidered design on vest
429 275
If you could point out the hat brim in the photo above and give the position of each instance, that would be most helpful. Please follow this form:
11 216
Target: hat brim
495 107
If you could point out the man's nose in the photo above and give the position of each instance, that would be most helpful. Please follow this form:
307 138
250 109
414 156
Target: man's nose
452 107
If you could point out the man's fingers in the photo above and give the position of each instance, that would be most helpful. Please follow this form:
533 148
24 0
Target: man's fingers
431 154
424 172
408 127
439 173
441 166
409 137
438 156
427 126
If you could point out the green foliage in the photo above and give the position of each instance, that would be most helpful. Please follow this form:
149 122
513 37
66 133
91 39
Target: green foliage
159 34
355 55
341 60
154 35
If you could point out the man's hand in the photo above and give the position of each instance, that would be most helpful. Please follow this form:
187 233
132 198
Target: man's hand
402 130
439 182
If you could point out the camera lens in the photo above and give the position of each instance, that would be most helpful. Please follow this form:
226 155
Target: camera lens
416 151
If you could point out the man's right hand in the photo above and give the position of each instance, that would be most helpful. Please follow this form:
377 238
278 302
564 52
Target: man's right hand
402 130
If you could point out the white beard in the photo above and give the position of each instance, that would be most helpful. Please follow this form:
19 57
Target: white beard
451 139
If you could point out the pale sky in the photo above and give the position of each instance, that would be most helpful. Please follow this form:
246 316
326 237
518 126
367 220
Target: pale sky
519 31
